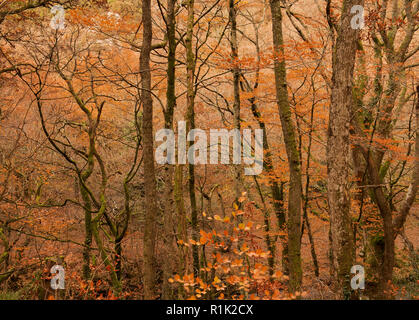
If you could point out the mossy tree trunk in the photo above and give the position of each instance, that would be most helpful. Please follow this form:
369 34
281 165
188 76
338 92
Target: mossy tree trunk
168 204
288 129
190 125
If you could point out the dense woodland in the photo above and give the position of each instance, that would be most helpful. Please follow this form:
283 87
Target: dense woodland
85 88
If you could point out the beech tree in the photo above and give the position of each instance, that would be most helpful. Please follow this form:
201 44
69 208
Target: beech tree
338 147
295 189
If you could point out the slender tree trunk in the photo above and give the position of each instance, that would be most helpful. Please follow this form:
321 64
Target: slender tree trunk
149 172
238 176
271 245
190 125
288 129
88 237
168 205
307 190
182 230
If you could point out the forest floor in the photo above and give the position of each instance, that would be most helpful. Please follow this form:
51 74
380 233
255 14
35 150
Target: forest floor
26 285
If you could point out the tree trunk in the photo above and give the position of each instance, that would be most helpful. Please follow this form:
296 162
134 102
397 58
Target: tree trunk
288 129
168 205
149 172
88 237
190 125
338 149
238 177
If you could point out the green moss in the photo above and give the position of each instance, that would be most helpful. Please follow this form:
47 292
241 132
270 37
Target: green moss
10 295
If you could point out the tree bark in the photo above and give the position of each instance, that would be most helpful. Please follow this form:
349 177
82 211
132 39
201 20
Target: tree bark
168 205
149 171
238 177
338 149
190 125
288 129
